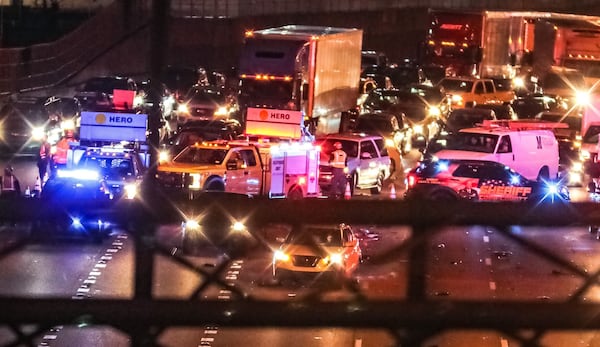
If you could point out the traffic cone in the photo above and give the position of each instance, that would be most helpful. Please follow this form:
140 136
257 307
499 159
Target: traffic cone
347 193
37 189
393 192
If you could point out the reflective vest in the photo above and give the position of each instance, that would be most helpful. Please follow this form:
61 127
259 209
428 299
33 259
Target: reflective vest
62 148
44 151
8 184
338 159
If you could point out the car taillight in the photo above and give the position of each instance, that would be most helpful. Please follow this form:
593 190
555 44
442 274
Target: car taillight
411 180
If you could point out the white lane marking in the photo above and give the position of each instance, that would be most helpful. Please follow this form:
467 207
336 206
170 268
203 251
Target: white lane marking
112 250
486 239
49 337
236 266
358 343
210 332
100 265
231 277
95 273
492 285
503 342
106 257
88 281
83 290
488 261
223 297
207 339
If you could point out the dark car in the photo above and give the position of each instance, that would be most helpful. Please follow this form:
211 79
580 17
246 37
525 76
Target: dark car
478 180
569 145
531 104
206 103
458 119
502 111
97 93
422 108
392 127
20 134
201 130
405 75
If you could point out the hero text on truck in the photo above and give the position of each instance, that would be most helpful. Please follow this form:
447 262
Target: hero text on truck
301 70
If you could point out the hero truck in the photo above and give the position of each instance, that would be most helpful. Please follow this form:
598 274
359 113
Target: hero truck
279 164
507 43
293 70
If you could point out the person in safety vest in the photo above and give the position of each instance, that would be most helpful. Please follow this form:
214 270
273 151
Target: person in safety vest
59 158
338 161
10 184
44 157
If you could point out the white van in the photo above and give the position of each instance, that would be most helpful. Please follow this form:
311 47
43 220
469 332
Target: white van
528 147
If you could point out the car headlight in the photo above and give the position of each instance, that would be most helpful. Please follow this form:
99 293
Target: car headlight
434 111
183 108
67 124
336 258
418 129
518 82
577 166
389 143
457 99
221 111
191 225
280 255
131 190
582 98
585 155
38 133
238 226
138 101
164 156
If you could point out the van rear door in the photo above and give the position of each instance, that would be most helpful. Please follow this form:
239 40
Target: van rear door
504 151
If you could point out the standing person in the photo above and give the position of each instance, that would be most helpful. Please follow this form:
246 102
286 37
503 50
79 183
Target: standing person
338 161
43 157
59 159
10 184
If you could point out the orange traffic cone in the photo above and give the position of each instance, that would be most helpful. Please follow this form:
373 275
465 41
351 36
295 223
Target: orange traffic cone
393 192
347 193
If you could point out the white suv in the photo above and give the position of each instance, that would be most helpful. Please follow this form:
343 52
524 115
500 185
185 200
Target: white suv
368 161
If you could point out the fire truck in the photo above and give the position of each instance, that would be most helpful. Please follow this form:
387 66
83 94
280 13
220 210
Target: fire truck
307 71
275 160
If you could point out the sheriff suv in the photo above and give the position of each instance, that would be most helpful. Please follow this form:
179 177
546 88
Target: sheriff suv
479 180
368 161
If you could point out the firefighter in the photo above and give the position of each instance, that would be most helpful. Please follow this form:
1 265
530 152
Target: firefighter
10 184
59 159
338 162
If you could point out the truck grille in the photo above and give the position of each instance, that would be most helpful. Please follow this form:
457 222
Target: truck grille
170 179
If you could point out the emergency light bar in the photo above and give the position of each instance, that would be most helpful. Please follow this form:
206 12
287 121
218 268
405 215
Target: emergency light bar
523 124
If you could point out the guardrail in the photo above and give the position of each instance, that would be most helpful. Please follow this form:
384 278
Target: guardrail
410 321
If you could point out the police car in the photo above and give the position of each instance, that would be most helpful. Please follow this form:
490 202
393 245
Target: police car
478 180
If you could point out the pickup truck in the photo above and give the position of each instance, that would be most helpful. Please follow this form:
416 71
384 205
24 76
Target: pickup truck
277 170
468 91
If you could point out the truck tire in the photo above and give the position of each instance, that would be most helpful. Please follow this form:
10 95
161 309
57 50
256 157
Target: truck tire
378 185
215 185
544 174
295 193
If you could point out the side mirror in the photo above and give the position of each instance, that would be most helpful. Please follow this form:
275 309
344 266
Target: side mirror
365 155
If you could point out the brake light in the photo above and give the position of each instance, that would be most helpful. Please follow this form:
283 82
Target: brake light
411 180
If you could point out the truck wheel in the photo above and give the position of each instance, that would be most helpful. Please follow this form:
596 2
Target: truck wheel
378 185
295 194
544 174
215 186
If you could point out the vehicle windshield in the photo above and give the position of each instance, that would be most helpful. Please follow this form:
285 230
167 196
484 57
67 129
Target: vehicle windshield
321 236
105 85
376 124
350 147
461 120
109 167
205 96
266 90
201 156
591 135
474 142
455 85
573 81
